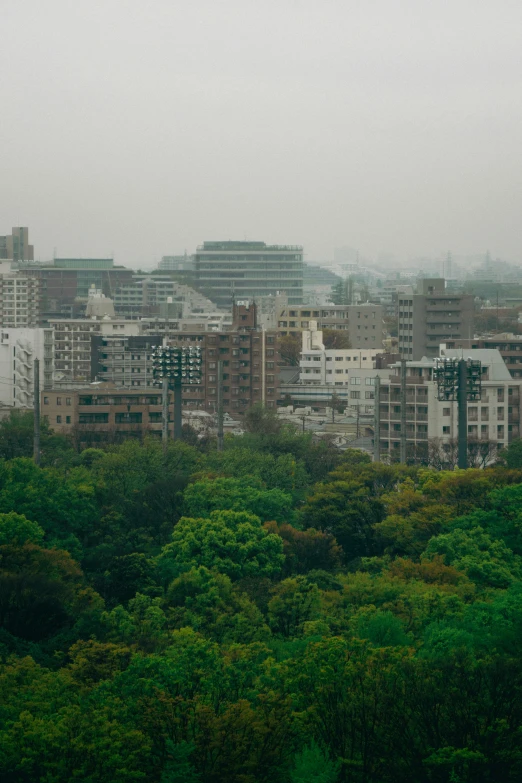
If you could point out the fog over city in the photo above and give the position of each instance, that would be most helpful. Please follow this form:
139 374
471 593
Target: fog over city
140 129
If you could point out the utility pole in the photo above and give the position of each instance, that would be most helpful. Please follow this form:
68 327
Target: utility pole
220 407
377 426
165 413
178 401
462 407
403 413
36 441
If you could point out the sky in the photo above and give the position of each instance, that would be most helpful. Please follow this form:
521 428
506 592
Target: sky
143 128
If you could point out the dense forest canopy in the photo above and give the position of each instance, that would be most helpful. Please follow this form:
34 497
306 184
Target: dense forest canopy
279 612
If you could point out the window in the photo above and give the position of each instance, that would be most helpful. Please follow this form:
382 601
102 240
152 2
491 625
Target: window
446 411
67 419
369 395
67 400
46 400
125 418
58 400
355 381
446 430
370 381
58 419
355 395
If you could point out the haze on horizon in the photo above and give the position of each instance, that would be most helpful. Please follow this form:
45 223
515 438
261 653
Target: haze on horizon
142 129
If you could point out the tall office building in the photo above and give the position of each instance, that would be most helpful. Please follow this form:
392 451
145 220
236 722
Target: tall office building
15 246
246 270
432 316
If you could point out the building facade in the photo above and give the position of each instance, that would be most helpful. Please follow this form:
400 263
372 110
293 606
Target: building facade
20 299
495 419
246 270
15 246
18 350
363 323
432 316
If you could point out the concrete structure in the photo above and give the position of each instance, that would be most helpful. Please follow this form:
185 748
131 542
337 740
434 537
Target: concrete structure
20 298
177 263
364 322
495 419
144 296
319 365
431 316
18 350
240 270
15 246
65 284
72 341
508 345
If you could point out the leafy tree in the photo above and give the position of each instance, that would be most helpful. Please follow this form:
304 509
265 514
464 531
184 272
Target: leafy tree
306 550
16 530
336 339
222 493
262 421
231 542
512 456
290 349
295 601
313 766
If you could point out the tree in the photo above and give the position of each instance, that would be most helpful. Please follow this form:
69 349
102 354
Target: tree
295 601
290 349
262 421
231 542
246 494
16 530
311 765
336 339
512 456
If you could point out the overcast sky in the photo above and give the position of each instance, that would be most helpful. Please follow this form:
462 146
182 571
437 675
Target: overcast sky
143 128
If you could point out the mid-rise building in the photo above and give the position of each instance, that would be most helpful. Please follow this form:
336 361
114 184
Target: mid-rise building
431 316
18 350
495 419
508 345
20 298
246 270
363 323
147 294
15 246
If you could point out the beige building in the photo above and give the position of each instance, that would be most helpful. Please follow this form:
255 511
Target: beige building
494 419
19 298
430 316
363 323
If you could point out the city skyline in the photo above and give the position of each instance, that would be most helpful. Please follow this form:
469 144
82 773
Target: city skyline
142 130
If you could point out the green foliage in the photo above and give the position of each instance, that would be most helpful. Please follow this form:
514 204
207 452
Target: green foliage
16 530
231 542
313 766
234 494
276 612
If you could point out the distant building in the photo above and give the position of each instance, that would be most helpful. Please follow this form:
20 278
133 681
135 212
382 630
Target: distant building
20 298
177 263
19 348
363 323
15 246
432 316
508 345
495 418
241 270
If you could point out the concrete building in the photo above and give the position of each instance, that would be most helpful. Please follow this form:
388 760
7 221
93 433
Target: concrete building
148 294
18 350
20 298
65 284
508 345
363 323
432 316
177 263
15 246
241 270
494 419
319 365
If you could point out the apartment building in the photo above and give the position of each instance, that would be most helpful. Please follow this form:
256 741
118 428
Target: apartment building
103 410
145 295
430 316
65 284
15 246
20 298
495 418
363 323
508 345
246 270
18 350
72 345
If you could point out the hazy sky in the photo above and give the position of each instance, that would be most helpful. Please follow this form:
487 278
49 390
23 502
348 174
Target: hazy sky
143 128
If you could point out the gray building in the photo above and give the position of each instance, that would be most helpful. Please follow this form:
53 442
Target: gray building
430 316
15 246
247 270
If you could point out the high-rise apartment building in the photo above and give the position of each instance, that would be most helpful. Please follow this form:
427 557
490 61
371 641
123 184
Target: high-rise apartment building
15 246
20 298
18 350
245 270
431 316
